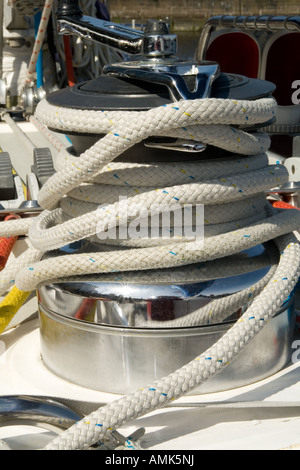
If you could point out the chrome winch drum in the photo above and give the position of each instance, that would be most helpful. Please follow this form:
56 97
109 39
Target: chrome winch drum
99 334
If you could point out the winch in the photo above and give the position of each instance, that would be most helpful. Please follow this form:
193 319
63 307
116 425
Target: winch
120 327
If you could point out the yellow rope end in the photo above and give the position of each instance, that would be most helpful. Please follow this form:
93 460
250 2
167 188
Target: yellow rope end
10 305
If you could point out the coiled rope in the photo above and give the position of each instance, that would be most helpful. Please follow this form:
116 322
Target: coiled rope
238 217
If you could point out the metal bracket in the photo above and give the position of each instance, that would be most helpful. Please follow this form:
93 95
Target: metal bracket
130 442
180 145
20 205
184 80
20 197
288 193
30 97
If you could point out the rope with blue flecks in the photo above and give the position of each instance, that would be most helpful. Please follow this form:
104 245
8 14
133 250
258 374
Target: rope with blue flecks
236 197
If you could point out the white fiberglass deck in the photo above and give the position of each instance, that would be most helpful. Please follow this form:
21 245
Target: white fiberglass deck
265 415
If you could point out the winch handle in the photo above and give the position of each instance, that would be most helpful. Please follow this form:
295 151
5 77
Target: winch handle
154 41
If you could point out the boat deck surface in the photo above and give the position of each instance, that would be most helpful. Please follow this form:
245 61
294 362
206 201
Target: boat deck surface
264 415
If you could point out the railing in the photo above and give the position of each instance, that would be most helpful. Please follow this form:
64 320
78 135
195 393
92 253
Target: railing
246 23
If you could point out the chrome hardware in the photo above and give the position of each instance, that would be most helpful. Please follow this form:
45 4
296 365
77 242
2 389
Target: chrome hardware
45 412
287 188
154 44
184 80
30 205
14 203
107 33
128 441
13 199
288 193
155 41
30 97
156 63
57 415
173 73
180 145
143 354
26 208
20 205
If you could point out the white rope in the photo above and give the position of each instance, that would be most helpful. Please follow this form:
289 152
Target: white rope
128 131
38 44
71 196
